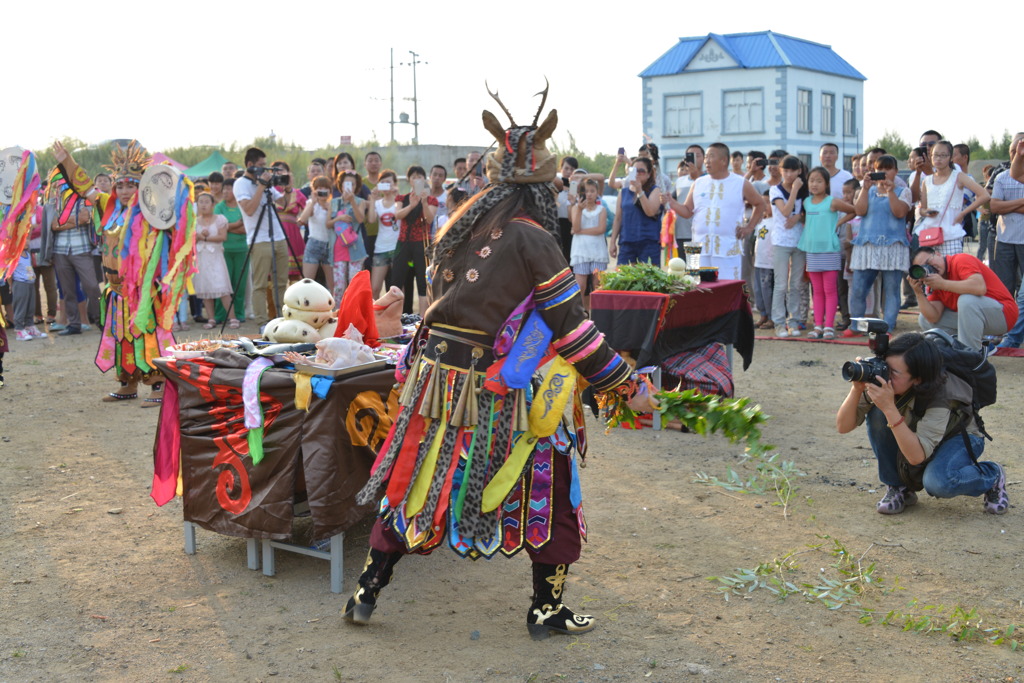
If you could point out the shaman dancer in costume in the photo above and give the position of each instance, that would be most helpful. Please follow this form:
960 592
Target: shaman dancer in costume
479 454
128 342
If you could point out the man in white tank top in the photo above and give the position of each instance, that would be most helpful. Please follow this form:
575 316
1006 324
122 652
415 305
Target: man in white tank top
715 203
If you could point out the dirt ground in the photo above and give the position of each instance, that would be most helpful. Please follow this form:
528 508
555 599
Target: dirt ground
95 586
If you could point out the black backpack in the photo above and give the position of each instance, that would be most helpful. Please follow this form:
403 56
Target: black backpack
972 367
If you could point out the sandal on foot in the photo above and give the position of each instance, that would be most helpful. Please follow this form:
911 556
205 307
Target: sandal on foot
829 333
233 323
114 397
209 325
815 333
151 402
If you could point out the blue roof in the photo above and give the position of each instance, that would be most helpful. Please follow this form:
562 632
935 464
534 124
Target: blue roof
760 50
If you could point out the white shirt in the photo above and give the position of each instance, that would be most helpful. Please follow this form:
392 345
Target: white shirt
318 223
388 227
836 182
717 210
245 190
781 237
684 230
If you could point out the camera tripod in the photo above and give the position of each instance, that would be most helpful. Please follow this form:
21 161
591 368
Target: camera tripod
264 209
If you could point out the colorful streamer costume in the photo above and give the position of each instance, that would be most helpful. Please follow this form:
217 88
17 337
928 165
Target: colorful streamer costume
481 453
144 268
15 229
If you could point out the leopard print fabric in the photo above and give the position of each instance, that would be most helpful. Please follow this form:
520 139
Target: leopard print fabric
444 459
474 522
475 479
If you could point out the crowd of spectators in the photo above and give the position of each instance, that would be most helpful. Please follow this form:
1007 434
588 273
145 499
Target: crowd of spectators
849 237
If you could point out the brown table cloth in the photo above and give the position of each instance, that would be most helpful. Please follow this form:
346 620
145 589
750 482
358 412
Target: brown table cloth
327 451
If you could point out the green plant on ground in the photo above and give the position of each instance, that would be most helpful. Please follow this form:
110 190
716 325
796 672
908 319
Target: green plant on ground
961 623
851 581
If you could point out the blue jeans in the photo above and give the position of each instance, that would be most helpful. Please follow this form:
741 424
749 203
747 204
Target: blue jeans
637 252
951 472
863 280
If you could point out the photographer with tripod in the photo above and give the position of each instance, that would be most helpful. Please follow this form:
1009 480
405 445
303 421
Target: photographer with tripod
920 422
268 247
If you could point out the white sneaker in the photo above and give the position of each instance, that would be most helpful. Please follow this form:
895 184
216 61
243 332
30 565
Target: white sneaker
782 333
23 335
794 331
34 331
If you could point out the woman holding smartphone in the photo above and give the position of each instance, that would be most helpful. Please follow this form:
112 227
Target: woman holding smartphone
416 214
942 200
881 246
382 209
318 246
346 217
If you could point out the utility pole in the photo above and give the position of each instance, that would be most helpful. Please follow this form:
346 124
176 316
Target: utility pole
392 94
415 104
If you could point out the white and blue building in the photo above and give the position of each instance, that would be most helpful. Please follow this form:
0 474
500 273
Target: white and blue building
760 91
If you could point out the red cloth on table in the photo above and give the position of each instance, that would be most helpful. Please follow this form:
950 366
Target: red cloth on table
357 309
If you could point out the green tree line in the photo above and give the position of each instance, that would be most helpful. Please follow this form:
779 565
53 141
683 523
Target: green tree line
998 148
94 158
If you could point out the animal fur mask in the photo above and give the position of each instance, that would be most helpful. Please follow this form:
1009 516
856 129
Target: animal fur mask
522 155
521 163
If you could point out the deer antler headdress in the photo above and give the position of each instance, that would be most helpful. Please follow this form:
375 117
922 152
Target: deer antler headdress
521 163
522 155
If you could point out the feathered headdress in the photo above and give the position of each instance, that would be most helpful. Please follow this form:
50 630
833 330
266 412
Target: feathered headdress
521 163
128 163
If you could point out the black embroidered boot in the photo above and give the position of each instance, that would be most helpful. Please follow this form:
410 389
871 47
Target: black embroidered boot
376 574
547 613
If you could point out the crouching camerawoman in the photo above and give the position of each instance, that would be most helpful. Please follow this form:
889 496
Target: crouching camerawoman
920 424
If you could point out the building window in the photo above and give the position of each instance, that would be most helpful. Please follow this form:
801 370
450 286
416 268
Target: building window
744 111
849 115
803 111
828 113
806 158
683 115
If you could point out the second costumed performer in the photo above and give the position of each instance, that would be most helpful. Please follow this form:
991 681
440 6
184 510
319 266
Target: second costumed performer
482 454
144 266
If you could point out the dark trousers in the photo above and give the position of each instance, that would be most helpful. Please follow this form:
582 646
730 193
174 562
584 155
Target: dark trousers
82 265
406 253
47 278
1008 264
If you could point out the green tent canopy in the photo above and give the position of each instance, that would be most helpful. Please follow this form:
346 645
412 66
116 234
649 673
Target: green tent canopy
207 166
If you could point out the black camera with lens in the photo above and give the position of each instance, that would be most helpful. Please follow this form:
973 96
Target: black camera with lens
278 178
920 272
878 341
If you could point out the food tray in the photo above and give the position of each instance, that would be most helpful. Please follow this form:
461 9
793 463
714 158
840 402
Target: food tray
379 364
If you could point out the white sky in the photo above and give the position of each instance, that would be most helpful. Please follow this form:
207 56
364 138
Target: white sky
189 73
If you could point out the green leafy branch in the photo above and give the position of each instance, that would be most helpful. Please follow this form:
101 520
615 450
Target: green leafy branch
647 277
